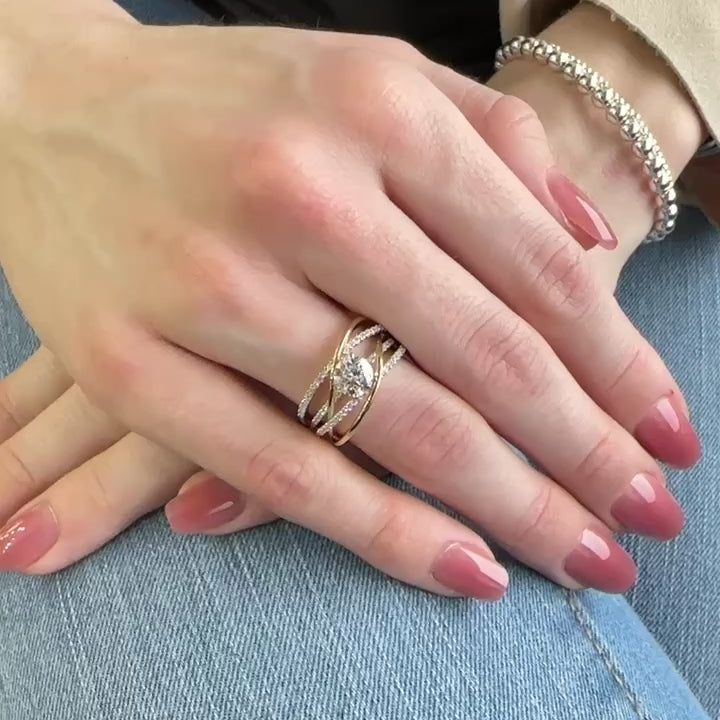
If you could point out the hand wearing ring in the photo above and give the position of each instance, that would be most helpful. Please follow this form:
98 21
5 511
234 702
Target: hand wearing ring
367 181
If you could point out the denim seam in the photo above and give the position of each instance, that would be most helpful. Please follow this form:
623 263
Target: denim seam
586 625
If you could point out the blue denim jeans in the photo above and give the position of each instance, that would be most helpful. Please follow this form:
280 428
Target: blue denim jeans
278 623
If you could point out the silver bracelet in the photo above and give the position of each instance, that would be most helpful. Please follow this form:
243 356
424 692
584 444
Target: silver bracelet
632 126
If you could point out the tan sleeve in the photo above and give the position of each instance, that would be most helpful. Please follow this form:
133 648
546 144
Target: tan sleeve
685 32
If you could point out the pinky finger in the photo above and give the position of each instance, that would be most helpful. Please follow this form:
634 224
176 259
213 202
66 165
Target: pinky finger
209 506
513 130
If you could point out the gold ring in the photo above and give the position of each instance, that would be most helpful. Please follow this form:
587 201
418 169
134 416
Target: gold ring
350 380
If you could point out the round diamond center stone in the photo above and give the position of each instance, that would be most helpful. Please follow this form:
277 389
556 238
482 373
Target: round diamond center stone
355 376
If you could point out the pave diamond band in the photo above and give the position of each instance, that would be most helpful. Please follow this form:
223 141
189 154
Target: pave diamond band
619 112
350 380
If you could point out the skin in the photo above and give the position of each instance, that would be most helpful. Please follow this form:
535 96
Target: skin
236 208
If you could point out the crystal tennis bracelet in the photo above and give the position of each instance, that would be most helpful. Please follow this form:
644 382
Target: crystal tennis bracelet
632 126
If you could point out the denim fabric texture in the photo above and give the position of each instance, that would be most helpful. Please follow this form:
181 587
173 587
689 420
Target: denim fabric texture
281 624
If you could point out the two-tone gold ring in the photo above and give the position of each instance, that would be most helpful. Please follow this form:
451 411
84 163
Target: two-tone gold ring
341 394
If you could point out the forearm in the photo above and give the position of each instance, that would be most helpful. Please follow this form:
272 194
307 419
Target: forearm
587 147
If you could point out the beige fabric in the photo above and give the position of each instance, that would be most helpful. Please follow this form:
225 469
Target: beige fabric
685 32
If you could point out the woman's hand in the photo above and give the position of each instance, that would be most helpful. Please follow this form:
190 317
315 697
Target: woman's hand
202 199
65 460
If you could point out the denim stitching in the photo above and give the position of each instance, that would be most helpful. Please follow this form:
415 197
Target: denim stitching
581 615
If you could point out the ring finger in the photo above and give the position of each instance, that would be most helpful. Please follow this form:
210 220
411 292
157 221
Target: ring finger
421 431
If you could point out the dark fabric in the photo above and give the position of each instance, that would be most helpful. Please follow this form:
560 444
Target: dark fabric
460 33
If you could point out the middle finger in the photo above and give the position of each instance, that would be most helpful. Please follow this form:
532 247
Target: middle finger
463 335
416 428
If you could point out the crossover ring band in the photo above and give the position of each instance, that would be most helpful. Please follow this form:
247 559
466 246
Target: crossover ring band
349 382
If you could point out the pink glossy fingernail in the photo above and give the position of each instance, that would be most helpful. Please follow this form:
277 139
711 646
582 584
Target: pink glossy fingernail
582 217
649 509
27 537
207 505
466 569
666 433
599 562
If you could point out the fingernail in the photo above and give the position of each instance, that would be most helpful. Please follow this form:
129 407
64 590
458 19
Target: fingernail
466 569
26 538
583 219
649 509
208 505
599 562
666 433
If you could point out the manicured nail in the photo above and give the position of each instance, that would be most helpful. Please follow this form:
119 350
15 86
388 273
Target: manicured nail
26 538
208 505
466 569
583 219
666 433
599 562
649 509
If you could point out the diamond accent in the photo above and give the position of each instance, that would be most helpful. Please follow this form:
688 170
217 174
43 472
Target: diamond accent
354 377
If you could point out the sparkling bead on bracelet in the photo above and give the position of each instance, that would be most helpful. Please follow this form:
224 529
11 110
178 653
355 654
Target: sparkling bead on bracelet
618 111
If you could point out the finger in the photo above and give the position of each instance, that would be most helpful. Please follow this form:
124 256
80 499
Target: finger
25 393
205 504
91 505
622 371
63 436
512 129
509 236
185 402
556 292
464 336
208 505
656 410
416 428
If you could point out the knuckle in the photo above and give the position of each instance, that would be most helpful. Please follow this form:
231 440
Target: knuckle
633 365
510 115
109 370
219 285
437 436
15 469
378 97
501 354
10 421
397 48
285 480
564 279
537 522
390 537
284 173
599 460
97 489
